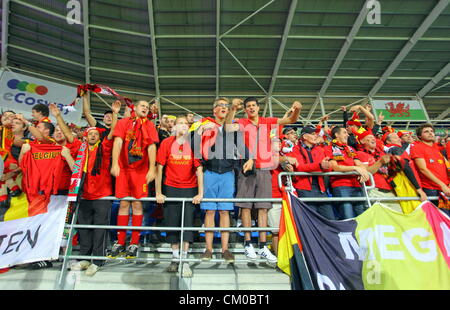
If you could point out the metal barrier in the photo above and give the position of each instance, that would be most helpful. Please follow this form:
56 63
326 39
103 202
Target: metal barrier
72 226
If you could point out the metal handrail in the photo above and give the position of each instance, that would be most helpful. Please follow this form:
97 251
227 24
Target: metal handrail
72 226
280 185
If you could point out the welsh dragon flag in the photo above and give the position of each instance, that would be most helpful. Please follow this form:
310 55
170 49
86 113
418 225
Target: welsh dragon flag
394 110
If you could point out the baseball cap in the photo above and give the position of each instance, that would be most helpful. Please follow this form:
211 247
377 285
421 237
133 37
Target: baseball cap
308 129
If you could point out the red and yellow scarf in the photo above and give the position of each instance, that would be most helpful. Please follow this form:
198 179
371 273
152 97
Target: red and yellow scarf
338 147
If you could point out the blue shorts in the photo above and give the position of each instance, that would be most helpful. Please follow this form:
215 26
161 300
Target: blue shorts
218 185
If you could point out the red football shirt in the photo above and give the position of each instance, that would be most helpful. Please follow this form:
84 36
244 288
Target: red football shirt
41 168
380 180
260 133
180 164
347 180
435 162
100 185
124 129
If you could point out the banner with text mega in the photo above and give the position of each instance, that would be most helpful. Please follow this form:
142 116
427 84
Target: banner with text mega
20 93
31 232
380 249
398 110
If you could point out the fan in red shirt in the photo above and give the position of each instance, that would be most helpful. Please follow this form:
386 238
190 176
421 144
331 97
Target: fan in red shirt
97 183
10 164
376 162
183 178
312 158
133 165
40 113
394 146
431 164
62 136
257 184
344 159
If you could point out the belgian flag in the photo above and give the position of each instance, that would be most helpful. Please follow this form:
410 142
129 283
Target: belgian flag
290 252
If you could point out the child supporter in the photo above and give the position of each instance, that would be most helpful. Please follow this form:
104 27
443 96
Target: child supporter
183 178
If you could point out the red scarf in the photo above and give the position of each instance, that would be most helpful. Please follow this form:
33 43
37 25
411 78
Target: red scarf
100 89
338 147
140 136
7 137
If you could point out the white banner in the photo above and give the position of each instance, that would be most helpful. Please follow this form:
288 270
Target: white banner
33 239
20 93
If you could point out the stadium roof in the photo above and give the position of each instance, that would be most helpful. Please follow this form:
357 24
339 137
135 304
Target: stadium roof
188 52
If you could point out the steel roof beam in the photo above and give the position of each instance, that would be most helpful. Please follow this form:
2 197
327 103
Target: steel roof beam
151 21
87 60
434 81
443 115
42 10
247 18
243 67
348 41
429 20
287 28
217 48
5 33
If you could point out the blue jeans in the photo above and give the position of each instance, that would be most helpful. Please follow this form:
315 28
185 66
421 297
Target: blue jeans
324 209
349 209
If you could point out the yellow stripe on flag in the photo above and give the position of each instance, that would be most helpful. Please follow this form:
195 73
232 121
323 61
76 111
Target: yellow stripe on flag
18 208
288 238
196 125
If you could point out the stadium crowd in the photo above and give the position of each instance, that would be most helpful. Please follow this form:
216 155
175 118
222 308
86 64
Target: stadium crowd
220 156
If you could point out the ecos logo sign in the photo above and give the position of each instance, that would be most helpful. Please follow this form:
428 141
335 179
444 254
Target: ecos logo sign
28 87
28 94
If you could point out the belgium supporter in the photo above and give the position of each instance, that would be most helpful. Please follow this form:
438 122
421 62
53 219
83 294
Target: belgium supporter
312 158
258 184
43 132
407 139
430 163
394 146
163 128
133 165
344 159
183 178
107 116
97 184
375 161
40 113
220 156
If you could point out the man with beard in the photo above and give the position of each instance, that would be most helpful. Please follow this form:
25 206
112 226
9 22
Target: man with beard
133 165
97 184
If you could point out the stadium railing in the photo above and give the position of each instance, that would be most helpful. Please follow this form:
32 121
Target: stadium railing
72 226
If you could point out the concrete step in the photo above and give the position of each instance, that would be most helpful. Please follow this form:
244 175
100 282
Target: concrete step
125 275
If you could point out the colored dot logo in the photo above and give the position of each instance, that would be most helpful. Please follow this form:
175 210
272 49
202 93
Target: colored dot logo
28 87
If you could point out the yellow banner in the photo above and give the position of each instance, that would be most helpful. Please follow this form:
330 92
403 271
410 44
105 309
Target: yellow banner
401 251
